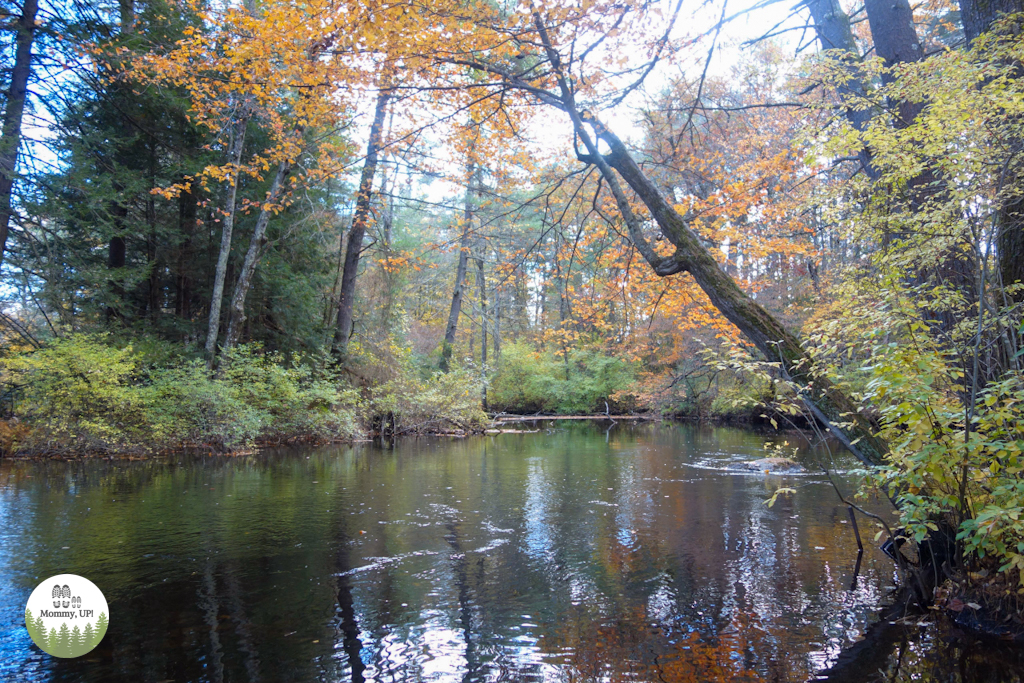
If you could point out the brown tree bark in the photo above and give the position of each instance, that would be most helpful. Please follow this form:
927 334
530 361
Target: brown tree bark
10 141
978 15
896 41
360 220
832 27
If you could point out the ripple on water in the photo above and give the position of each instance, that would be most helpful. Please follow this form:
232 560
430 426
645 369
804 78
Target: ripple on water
576 554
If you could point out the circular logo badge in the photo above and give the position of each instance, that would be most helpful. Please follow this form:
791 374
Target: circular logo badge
66 615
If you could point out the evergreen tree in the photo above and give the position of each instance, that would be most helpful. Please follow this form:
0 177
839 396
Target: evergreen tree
88 637
63 648
77 642
51 641
30 624
101 627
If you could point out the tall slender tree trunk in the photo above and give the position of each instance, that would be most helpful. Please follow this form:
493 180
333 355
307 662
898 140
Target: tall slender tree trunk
236 312
10 142
153 298
227 226
482 282
360 220
187 209
497 324
448 345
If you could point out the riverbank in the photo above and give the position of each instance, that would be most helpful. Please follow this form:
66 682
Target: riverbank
17 440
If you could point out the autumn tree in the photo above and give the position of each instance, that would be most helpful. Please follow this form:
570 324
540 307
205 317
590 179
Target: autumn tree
568 83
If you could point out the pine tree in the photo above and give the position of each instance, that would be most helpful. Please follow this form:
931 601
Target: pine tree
41 629
101 627
77 646
30 625
51 641
89 637
63 648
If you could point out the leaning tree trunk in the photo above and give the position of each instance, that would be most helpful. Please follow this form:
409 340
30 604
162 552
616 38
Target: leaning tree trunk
227 226
10 142
448 345
360 220
771 338
259 237
828 404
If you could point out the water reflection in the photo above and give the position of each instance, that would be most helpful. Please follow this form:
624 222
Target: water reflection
578 553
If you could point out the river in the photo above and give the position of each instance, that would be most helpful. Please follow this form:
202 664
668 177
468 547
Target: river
581 552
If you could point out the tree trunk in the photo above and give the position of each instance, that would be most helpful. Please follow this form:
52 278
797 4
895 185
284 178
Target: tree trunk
259 237
832 27
187 207
775 342
482 281
117 252
360 219
153 298
497 324
895 40
10 142
451 328
227 226
978 16
127 13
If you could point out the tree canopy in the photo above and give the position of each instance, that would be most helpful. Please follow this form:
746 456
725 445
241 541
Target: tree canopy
392 216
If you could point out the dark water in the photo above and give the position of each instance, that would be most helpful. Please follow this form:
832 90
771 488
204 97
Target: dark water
569 555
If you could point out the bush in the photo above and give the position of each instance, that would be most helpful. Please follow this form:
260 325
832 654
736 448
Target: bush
76 393
530 381
81 393
408 404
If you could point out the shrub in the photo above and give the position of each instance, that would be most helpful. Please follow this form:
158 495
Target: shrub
408 404
76 393
530 381
81 393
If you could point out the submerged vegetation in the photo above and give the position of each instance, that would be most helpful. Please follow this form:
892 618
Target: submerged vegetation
245 225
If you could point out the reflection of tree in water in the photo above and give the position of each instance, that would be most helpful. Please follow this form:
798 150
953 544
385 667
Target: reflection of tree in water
351 643
630 648
901 653
459 570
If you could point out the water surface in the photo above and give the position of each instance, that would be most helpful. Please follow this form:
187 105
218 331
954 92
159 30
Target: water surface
577 553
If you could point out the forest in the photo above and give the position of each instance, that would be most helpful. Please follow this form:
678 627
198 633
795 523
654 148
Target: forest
226 224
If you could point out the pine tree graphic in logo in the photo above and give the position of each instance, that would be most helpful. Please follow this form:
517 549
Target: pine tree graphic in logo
77 621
